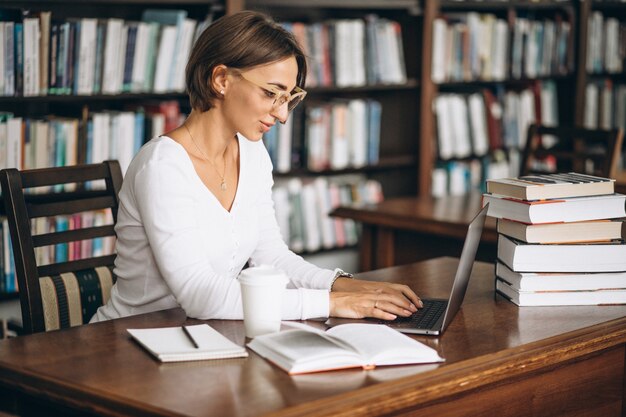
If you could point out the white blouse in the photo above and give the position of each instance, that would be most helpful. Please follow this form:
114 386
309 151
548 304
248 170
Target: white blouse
178 246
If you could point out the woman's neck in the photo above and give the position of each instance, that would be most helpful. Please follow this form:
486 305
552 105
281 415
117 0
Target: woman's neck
209 134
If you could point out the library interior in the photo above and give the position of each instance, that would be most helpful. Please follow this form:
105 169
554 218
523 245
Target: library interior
411 117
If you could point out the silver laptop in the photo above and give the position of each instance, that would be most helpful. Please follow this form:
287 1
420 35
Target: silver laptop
437 314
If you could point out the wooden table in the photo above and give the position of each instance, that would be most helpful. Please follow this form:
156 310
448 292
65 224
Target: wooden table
500 360
409 229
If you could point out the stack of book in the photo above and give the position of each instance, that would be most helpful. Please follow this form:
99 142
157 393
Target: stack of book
560 239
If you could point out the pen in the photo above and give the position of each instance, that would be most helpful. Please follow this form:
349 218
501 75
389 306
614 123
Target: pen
190 337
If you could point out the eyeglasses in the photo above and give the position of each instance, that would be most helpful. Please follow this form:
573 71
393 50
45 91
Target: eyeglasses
280 97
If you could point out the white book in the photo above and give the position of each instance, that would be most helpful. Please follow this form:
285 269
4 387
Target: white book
438 69
124 138
31 56
112 49
313 238
87 56
173 344
357 52
164 60
340 144
552 211
358 132
2 58
327 227
557 281
3 145
343 66
561 298
140 58
458 117
305 349
590 118
501 57
444 127
14 143
596 257
41 148
478 122
188 29
285 139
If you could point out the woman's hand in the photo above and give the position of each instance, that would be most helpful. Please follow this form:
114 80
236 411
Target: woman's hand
384 303
396 290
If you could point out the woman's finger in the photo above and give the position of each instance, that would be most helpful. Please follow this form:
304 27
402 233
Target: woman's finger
392 308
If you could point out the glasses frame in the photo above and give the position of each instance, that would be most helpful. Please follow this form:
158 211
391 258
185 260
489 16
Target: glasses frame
281 96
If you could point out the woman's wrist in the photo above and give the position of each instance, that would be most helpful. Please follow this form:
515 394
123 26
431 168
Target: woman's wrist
339 275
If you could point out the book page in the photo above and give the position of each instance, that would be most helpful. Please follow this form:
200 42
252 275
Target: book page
303 345
383 345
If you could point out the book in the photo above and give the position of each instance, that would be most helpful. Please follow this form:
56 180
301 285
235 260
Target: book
558 281
586 231
559 210
545 186
560 298
597 257
305 349
172 344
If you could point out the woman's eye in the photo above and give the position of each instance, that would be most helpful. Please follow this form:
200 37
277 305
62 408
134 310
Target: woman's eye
269 93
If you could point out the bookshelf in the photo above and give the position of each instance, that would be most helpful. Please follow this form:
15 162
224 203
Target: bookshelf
607 82
437 81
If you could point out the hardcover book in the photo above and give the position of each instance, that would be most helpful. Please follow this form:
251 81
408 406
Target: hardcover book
572 232
560 281
545 186
560 298
554 211
305 349
597 257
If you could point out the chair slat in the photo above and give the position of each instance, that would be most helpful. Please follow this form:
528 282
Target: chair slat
70 207
62 267
73 235
63 175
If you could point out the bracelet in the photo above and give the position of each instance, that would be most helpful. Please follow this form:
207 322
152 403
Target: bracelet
339 273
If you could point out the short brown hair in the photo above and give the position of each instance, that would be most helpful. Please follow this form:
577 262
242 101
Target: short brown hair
241 40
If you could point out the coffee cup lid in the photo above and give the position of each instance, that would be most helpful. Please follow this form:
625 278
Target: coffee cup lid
263 275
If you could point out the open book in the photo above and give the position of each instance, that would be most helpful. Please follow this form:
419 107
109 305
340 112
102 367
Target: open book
173 344
305 349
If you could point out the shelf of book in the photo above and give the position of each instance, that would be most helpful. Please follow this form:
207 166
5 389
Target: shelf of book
484 80
85 99
410 84
384 164
411 5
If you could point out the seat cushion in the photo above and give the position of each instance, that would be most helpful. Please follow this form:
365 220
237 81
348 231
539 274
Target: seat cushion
72 298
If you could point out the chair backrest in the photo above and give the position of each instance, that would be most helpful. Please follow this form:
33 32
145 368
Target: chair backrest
566 149
61 293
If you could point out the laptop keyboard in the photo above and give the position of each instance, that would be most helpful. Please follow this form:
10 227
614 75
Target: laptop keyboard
426 317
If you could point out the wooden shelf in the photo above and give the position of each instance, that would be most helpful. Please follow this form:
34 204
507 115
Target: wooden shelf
508 81
124 2
69 98
411 84
412 5
385 163
4 296
608 5
503 5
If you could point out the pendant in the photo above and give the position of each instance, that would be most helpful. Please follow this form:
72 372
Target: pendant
223 185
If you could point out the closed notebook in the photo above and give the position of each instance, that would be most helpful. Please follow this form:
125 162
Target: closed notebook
171 344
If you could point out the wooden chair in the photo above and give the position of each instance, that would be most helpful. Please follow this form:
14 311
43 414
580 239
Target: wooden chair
68 293
593 152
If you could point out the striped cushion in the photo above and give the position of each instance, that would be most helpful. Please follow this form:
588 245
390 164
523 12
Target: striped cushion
71 299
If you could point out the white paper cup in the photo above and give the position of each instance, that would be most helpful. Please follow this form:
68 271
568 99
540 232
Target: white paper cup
262 288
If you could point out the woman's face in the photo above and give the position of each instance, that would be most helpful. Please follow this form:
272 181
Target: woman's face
249 102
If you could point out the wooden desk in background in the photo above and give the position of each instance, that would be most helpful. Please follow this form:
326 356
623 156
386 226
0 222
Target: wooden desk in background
409 229
500 360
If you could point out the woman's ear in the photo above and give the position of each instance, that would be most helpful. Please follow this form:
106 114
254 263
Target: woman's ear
219 79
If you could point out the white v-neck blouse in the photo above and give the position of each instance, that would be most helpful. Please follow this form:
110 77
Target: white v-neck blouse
178 246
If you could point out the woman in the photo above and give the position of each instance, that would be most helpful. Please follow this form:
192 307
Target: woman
196 204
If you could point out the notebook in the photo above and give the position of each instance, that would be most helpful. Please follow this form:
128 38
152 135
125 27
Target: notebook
173 344
437 314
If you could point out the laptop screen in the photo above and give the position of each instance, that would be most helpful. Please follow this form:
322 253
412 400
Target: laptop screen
464 270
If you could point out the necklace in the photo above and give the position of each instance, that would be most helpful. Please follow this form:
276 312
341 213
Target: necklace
223 184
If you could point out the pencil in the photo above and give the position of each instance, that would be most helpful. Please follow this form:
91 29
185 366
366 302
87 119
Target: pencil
190 337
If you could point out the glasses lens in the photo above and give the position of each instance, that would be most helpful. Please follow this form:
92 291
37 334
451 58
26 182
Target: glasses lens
294 102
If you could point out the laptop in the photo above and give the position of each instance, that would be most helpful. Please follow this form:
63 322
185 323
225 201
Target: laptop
437 314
